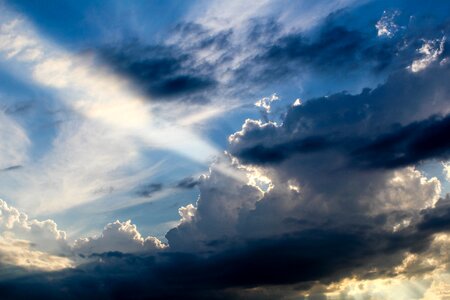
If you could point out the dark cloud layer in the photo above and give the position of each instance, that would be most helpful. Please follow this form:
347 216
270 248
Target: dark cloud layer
408 145
437 219
305 256
403 146
401 122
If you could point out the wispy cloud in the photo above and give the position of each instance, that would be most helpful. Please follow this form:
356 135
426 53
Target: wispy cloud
110 125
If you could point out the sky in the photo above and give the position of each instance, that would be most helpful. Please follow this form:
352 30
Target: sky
225 149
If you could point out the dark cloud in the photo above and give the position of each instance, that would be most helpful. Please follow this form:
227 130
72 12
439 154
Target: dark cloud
408 145
399 123
335 49
438 219
11 168
170 72
340 221
325 254
149 189
280 152
187 183
160 71
342 46
20 107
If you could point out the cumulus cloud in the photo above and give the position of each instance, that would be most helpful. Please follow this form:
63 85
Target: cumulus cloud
396 134
30 244
118 236
344 217
266 102
33 245
223 198
44 235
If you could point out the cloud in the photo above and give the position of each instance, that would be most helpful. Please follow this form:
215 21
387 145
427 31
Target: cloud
12 168
340 221
30 244
354 126
16 253
44 235
118 236
386 25
187 183
15 152
345 202
240 272
430 50
162 72
341 47
102 110
334 49
34 245
446 170
149 189
408 145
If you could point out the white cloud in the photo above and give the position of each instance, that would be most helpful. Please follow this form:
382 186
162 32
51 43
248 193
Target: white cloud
31 244
187 213
266 102
446 170
44 235
430 50
118 236
297 102
20 253
40 245
386 25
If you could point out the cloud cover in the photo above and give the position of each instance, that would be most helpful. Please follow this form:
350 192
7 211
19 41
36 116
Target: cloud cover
345 202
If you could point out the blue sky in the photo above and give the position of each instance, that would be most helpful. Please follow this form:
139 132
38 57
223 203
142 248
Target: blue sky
219 130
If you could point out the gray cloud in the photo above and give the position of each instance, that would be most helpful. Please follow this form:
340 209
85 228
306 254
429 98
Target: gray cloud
187 183
149 189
